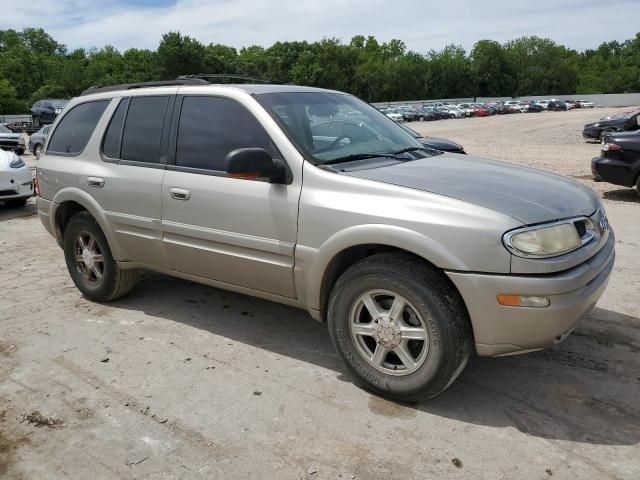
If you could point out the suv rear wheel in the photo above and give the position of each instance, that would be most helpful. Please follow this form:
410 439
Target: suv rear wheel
90 262
400 326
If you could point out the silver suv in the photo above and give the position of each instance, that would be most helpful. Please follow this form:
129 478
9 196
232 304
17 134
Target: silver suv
415 258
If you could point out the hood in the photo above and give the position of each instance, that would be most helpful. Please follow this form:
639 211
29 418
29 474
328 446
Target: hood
13 136
528 195
5 159
441 144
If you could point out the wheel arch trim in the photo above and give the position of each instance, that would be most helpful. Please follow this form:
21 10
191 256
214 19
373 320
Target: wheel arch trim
86 201
312 263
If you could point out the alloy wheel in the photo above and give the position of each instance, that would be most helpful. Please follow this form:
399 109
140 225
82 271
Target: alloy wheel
388 332
89 259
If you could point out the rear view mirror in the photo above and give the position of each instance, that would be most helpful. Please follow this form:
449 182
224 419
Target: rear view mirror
323 109
254 163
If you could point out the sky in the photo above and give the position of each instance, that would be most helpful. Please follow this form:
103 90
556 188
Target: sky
422 24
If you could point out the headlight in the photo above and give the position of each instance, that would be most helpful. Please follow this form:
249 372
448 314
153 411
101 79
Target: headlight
17 163
596 124
550 240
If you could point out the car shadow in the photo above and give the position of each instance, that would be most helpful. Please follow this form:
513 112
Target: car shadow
11 213
622 195
584 390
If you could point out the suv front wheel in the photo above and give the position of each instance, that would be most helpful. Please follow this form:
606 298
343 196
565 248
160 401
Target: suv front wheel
90 262
400 326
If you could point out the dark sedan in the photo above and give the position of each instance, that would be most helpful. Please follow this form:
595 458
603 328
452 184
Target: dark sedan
619 160
441 144
44 112
616 123
557 106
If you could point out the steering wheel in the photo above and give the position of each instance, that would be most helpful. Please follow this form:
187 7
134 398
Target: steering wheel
334 143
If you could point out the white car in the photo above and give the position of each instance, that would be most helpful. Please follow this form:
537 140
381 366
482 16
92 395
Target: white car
455 111
467 109
543 103
396 117
585 104
520 106
16 182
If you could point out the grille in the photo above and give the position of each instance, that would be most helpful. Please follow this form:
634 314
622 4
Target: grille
6 193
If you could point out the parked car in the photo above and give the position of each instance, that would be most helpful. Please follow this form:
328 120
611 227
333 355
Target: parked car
453 111
16 182
543 103
44 112
467 108
571 104
436 113
409 114
480 110
393 115
534 107
556 106
584 104
619 160
518 106
414 258
441 144
13 142
427 114
616 123
38 140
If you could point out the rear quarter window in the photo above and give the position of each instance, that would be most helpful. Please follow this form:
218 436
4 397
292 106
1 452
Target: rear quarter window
75 129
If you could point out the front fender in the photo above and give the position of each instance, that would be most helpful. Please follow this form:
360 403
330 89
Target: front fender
82 198
312 263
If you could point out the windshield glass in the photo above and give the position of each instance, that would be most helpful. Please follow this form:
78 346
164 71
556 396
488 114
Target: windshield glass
4 129
326 126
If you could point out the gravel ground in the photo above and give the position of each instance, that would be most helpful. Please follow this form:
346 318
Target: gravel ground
185 381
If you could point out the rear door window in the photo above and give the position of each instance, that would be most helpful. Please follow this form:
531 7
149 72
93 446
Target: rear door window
74 131
113 137
143 129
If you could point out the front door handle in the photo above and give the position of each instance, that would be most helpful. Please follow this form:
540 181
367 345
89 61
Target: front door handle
95 182
180 194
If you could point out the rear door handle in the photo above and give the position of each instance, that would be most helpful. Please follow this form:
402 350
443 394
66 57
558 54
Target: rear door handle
95 182
180 194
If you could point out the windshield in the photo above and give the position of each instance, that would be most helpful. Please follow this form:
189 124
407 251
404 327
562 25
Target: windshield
327 126
4 129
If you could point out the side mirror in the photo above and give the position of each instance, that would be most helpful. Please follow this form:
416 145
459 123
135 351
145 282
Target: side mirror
254 163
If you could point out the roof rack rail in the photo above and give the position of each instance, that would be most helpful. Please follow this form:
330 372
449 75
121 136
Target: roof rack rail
132 86
211 76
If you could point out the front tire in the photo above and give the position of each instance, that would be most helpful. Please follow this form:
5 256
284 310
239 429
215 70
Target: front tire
400 326
90 262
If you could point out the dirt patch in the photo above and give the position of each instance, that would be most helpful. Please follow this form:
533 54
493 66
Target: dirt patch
40 420
7 448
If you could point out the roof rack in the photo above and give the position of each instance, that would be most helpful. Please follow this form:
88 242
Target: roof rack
211 76
131 86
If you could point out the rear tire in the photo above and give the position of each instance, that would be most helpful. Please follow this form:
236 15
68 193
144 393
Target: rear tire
434 318
90 262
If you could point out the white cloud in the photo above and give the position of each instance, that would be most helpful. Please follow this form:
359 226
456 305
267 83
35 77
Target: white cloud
420 24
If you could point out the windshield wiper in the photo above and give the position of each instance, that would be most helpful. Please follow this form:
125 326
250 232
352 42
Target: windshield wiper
415 149
361 156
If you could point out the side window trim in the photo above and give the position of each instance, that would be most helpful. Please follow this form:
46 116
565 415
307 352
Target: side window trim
59 123
106 158
175 126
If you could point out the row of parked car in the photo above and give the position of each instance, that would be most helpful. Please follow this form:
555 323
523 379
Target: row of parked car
443 110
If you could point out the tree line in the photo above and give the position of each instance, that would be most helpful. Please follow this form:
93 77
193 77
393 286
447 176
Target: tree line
33 65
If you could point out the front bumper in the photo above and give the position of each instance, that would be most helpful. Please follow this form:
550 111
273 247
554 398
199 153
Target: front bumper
503 330
591 133
16 184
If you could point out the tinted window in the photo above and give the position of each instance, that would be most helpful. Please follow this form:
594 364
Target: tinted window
211 127
76 127
143 129
111 142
